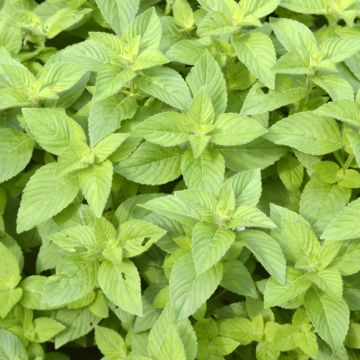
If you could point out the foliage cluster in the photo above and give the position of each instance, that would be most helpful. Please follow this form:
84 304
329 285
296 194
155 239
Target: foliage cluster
179 179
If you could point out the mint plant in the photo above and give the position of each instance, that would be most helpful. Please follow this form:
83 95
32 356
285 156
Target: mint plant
179 179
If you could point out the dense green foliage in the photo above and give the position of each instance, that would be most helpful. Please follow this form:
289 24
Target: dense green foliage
179 179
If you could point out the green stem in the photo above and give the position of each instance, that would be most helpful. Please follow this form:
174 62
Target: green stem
348 161
308 85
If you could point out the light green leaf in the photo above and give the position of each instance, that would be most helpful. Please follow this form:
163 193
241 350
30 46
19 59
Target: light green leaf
45 195
206 173
45 328
260 8
337 49
207 73
58 77
291 172
107 146
95 183
342 226
246 186
166 85
15 152
209 245
267 251
335 85
260 153
343 110
276 294
152 165
330 317
256 102
106 116
307 132
241 329
76 276
233 272
136 236
294 233
147 25
306 6
78 323
233 129
11 347
165 323
8 299
174 208
320 202
110 342
119 13
295 37
121 284
172 347
248 216
52 129
165 129
188 290
257 52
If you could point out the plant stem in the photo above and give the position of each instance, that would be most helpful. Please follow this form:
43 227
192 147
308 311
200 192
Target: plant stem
308 85
348 161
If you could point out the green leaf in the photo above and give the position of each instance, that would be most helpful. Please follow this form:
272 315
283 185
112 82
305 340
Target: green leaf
294 233
306 6
78 323
15 152
342 226
246 186
291 172
267 251
207 74
45 195
9 269
320 202
337 49
107 146
9 298
52 129
205 173
147 25
45 329
260 8
330 317
295 37
95 183
172 347
256 102
249 216
233 271
78 277
233 129
152 165
110 342
307 132
241 329
11 347
335 85
276 294
209 245
58 77
166 85
121 284
257 52
107 115
159 335
189 290
174 208
137 236
118 14
165 129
